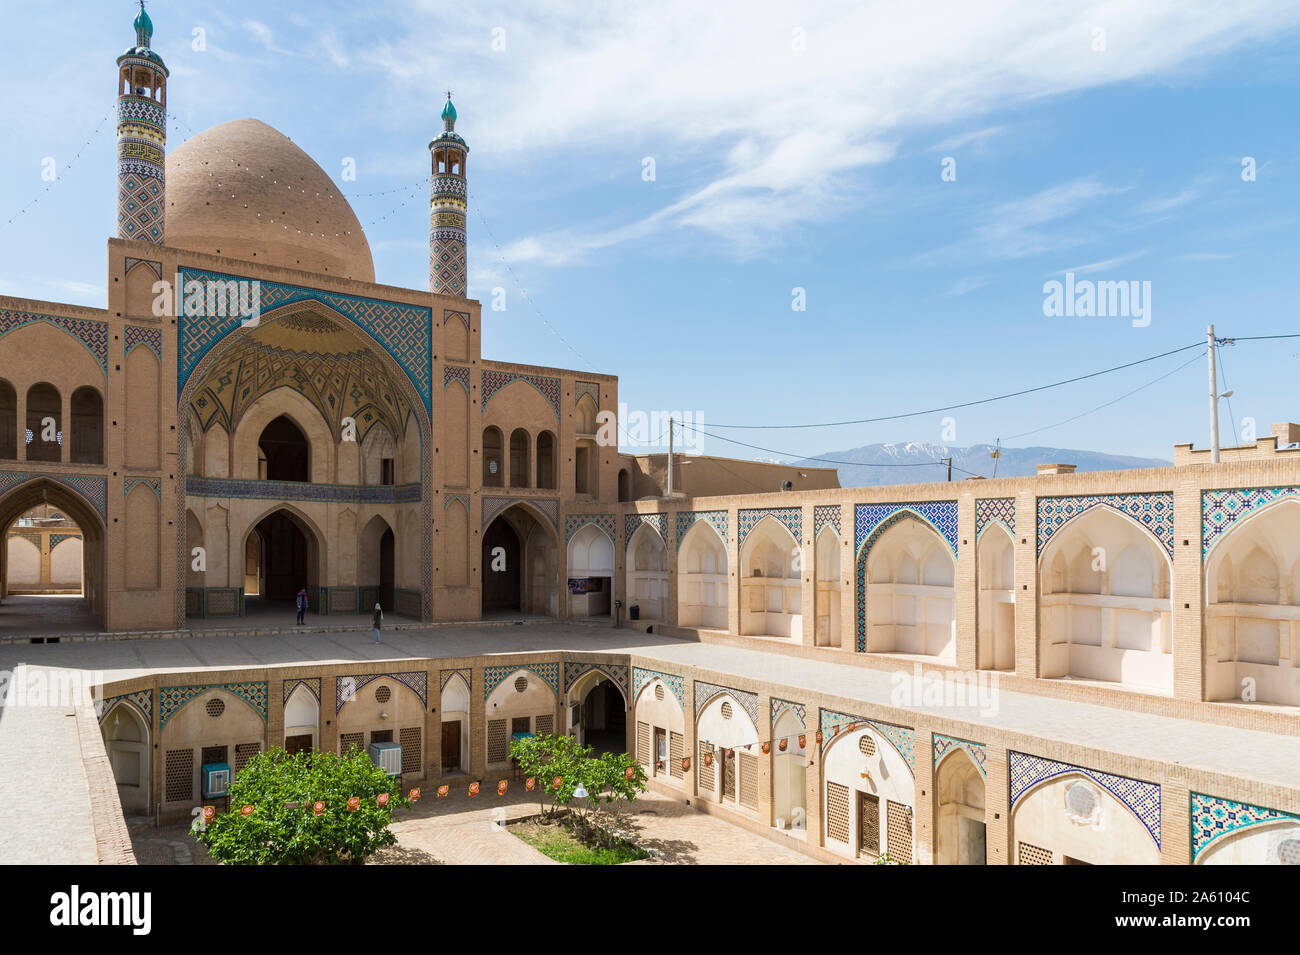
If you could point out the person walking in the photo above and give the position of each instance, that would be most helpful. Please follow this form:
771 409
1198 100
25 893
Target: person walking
302 605
377 620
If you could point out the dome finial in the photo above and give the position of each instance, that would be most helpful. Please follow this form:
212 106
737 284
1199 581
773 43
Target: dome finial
143 28
449 114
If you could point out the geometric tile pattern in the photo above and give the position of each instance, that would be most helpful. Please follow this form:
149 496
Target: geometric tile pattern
312 683
791 517
494 381
824 514
92 334
798 709
549 673
575 671
576 522
943 745
549 507
417 681
250 489
707 691
151 338
403 330
902 738
465 673
1142 798
873 520
172 698
1154 511
581 388
141 699
995 510
632 523
128 485
941 515
675 684
1221 509
452 373
129 263
1213 818
93 489
686 519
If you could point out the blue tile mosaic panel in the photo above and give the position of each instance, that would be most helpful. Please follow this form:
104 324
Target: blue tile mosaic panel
1221 509
1142 798
1213 818
1154 511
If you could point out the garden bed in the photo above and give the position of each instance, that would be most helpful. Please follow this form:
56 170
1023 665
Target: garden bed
566 840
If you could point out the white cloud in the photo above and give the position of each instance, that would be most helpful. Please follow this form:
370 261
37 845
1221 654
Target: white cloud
1105 264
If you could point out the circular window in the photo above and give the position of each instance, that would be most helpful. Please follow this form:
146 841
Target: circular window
1288 852
867 745
726 710
659 691
216 707
1081 801
383 694
521 684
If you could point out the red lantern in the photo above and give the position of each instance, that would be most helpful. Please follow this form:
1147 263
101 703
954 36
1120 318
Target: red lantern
629 773
473 789
209 813
246 811
708 759
731 754
686 764
819 737
557 782
354 804
415 795
443 790
318 807
767 748
382 799
530 783
803 740
502 786
783 744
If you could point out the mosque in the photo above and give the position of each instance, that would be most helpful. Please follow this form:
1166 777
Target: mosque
252 415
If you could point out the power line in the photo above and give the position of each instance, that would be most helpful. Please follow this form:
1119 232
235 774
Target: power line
968 404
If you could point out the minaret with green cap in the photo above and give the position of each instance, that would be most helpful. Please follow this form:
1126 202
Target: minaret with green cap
447 194
141 137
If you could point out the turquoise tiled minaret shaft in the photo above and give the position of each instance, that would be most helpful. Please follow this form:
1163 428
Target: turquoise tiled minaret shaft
447 204
141 138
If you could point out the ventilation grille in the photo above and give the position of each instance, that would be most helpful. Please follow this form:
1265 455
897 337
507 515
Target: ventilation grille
726 710
866 745
348 740
498 747
676 750
898 824
215 707
749 780
411 738
521 684
244 752
383 694
643 743
659 692
1032 855
180 775
545 724
837 812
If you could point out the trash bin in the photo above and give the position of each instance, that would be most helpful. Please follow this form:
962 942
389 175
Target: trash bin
634 612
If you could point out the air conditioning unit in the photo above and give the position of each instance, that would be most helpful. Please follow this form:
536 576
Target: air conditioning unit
388 757
216 779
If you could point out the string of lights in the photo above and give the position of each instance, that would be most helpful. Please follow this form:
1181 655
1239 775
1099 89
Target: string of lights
66 169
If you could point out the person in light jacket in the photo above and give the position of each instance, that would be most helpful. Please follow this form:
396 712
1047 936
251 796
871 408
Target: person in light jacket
377 621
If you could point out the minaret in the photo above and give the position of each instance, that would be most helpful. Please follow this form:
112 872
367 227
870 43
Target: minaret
141 137
447 192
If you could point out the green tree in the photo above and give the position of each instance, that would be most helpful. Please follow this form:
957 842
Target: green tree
605 778
283 827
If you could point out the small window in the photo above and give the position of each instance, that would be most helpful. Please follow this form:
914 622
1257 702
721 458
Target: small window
386 471
521 684
383 694
215 707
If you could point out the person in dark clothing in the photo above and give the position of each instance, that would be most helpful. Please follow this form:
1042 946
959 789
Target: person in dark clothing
301 603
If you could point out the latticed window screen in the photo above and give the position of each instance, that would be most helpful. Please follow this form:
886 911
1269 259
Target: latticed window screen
707 779
348 740
898 831
180 774
411 739
498 742
643 743
244 752
676 750
381 736
545 724
1033 855
837 812
869 823
749 780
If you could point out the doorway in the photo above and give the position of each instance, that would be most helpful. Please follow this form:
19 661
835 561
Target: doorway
297 744
451 746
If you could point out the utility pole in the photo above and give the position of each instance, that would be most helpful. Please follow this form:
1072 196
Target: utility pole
1214 401
670 458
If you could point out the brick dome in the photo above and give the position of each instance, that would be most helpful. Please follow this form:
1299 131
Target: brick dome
244 190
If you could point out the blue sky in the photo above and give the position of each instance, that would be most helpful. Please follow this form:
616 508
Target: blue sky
795 145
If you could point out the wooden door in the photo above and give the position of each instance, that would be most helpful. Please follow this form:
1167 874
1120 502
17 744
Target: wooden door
868 823
297 744
728 775
451 744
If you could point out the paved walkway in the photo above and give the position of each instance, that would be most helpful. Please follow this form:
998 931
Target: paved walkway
40 613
